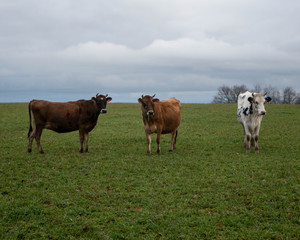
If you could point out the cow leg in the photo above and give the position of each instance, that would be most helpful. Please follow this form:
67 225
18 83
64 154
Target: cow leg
256 144
149 143
31 137
38 139
158 142
81 139
247 142
256 139
86 139
247 139
173 141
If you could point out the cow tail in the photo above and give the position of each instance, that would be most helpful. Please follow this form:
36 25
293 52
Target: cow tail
30 126
176 136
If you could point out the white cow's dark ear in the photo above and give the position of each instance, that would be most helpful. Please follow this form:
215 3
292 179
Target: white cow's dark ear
268 99
250 99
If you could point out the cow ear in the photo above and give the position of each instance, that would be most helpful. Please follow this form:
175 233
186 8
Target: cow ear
155 100
94 99
108 99
140 100
268 99
250 99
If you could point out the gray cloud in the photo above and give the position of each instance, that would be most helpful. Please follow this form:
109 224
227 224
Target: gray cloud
127 48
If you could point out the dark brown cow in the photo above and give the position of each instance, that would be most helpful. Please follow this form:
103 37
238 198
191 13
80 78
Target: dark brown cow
64 117
160 117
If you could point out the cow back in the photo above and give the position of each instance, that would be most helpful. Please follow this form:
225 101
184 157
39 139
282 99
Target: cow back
64 116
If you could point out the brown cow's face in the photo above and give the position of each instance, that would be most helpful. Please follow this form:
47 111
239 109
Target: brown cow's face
147 104
101 101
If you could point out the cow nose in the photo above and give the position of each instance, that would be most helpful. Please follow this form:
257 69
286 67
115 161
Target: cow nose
150 113
263 113
103 111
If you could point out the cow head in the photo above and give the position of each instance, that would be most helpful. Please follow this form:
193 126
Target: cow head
257 103
101 102
147 104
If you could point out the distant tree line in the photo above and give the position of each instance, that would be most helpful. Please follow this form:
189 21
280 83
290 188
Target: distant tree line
230 94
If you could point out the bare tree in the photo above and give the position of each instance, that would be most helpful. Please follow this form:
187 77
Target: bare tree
289 96
222 95
274 94
228 95
236 90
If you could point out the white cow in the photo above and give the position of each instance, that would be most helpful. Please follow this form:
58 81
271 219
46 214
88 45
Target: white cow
250 112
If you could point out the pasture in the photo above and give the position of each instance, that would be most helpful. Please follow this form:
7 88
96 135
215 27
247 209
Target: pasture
208 188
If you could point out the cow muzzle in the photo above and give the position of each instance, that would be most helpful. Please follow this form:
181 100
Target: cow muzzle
150 113
103 111
262 113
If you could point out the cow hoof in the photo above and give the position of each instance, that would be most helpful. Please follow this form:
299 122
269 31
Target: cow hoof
170 150
81 151
41 152
29 150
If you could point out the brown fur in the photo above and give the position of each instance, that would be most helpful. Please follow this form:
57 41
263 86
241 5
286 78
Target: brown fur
166 119
64 117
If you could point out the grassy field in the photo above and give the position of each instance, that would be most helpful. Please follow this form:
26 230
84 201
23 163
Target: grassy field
208 188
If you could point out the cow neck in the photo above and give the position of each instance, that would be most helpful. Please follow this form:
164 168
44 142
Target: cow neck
148 119
251 109
96 107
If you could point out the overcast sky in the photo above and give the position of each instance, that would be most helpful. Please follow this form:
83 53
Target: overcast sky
63 50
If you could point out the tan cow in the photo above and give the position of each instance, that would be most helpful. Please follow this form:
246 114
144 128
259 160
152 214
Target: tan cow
160 117
64 117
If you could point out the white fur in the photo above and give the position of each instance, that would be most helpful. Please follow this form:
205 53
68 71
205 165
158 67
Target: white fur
251 116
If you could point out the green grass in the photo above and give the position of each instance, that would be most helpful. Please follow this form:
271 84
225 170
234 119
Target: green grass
208 188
